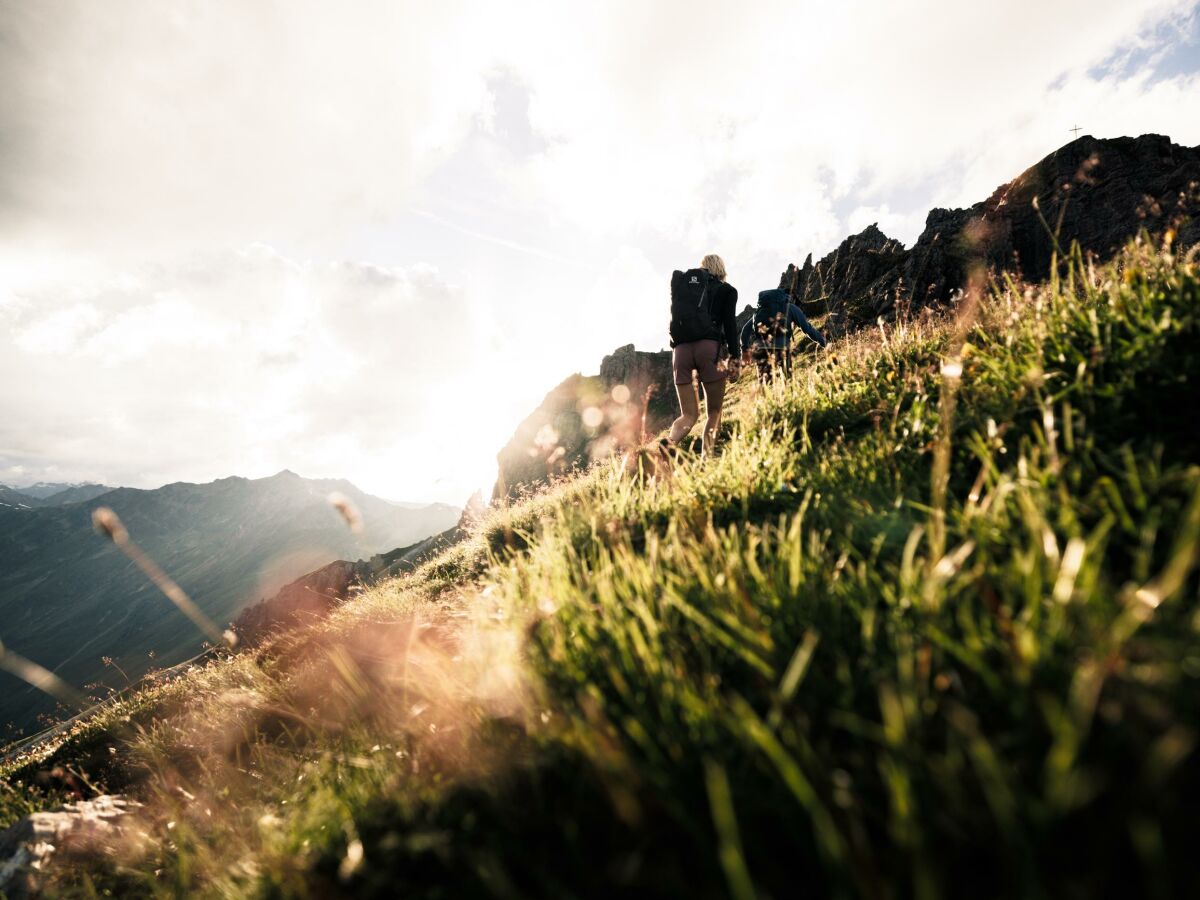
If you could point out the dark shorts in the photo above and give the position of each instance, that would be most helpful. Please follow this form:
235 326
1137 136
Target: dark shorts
697 356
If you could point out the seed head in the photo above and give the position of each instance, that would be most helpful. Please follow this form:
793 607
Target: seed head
107 523
347 510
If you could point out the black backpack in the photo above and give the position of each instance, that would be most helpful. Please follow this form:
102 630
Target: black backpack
771 319
692 294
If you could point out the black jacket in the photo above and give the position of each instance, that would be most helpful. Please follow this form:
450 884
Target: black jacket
724 316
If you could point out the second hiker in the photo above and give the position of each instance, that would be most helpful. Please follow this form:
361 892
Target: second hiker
768 335
703 315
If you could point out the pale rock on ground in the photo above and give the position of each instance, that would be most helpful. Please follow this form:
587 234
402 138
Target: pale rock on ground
28 847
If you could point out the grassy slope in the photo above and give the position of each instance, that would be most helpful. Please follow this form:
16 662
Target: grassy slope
910 631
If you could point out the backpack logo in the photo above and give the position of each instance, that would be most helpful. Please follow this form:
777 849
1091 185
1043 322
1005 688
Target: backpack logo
694 280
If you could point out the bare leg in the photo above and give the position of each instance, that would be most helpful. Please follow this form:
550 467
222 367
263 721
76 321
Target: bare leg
689 412
714 397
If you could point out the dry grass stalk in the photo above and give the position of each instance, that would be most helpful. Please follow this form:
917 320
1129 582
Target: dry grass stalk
107 523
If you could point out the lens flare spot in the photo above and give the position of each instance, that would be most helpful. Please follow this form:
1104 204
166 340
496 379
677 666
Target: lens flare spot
546 438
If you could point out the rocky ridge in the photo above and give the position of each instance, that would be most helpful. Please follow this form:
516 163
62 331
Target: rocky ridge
1098 193
315 595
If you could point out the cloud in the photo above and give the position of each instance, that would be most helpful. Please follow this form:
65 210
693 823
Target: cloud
128 122
240 361
58 331
795 106
135 126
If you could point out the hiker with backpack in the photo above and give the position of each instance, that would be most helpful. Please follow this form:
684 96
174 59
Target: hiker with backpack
767 337
703 315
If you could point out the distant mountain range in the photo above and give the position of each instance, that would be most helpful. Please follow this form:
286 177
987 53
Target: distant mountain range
47 494
64 491
68 597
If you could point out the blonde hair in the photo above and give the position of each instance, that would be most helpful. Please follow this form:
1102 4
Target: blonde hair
715 266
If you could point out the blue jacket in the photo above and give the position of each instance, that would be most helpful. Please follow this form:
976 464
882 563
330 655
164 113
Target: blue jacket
775 303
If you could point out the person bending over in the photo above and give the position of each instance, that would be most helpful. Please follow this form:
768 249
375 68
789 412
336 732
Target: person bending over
768 334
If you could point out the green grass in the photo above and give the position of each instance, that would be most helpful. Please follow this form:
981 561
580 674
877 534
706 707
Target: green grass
911 634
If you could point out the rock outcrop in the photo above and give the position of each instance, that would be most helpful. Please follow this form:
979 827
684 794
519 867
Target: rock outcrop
636 369
589 417
1097 193
29 847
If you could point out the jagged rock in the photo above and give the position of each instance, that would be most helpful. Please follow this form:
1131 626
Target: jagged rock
848 271
588 417
1098 193
29 847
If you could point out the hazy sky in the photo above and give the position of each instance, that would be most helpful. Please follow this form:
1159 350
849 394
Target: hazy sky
364 239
